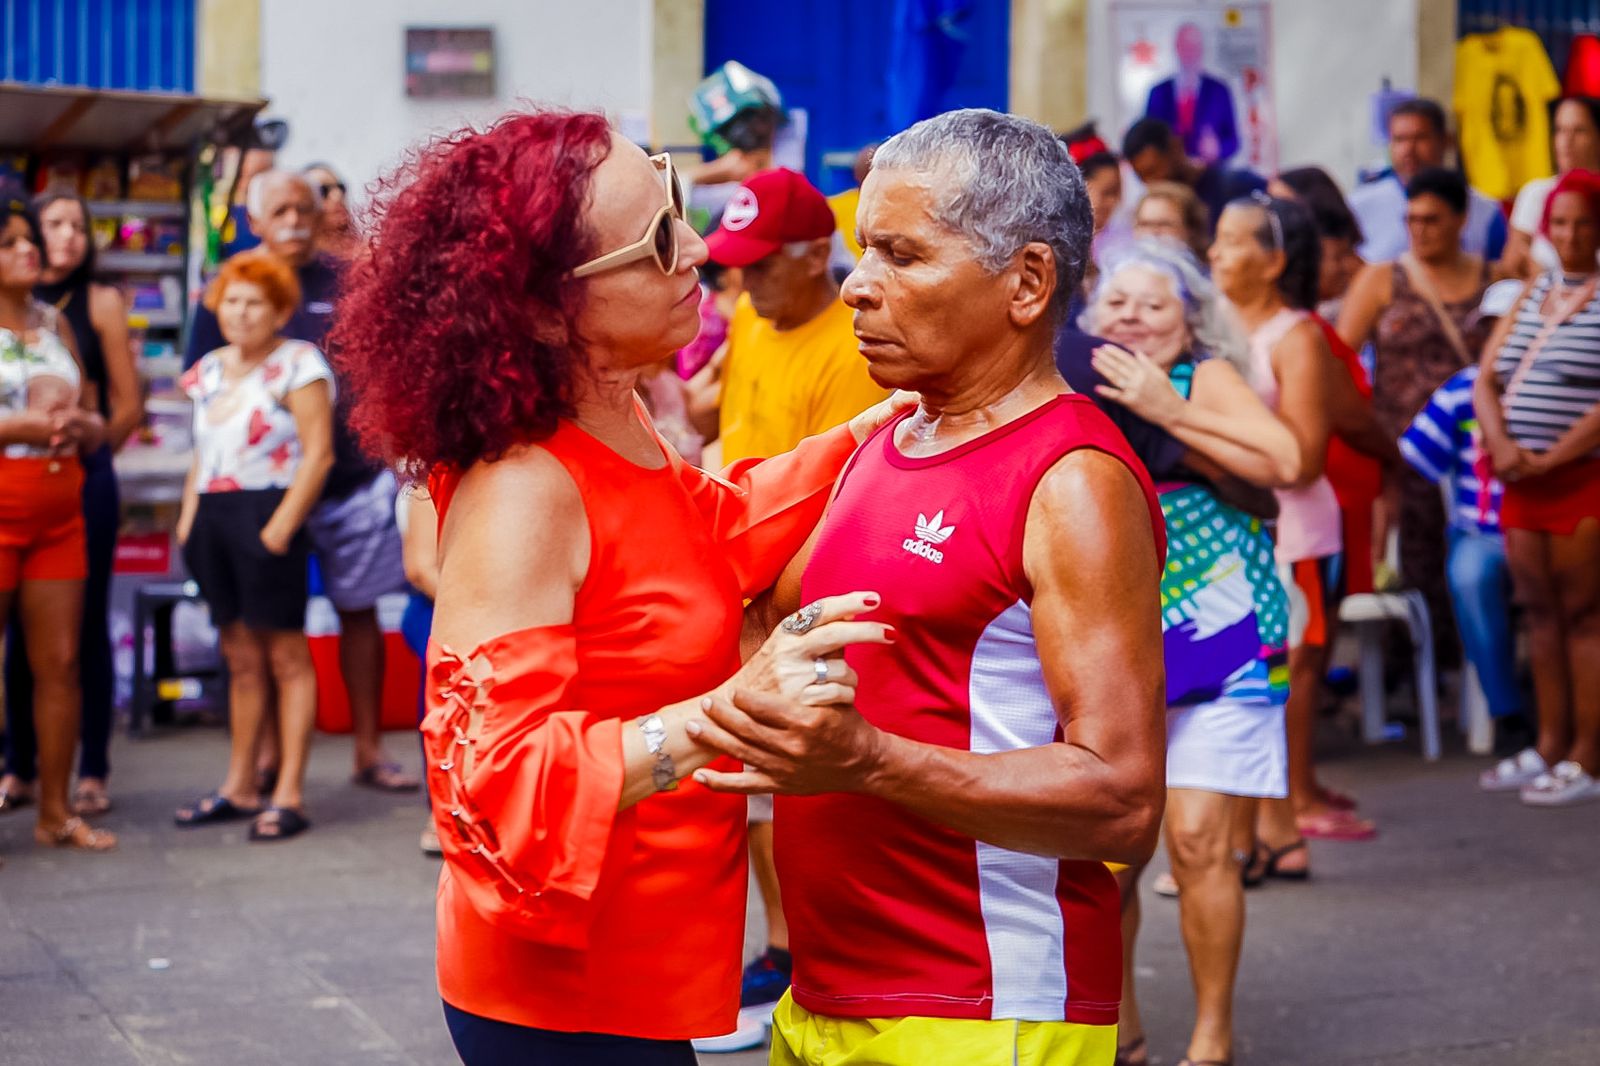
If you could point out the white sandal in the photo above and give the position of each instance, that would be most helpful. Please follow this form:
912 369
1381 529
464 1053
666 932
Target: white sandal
1566 784
1515 773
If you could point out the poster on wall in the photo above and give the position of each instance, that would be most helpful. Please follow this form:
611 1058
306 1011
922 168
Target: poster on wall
1203 68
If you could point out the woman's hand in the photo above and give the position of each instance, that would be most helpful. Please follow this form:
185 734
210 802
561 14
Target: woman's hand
867 422
1505 457
1529 465
81 431
274 539
801 660
1138 383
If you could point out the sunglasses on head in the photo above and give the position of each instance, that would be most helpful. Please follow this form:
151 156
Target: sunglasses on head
660 240
1264 201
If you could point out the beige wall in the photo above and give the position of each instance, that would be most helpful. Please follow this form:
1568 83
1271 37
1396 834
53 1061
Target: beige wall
229 45
1049 61
677 61
1436 49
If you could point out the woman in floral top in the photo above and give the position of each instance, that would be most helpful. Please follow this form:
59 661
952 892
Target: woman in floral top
263 430
43 555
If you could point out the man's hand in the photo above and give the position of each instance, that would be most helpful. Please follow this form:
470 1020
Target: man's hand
787 746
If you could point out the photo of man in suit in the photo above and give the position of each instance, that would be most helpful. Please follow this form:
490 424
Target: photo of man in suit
1197 106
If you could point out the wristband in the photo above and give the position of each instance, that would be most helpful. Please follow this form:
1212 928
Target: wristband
663 774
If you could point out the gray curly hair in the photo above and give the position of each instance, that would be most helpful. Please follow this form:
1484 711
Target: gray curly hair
1012 183
1212 331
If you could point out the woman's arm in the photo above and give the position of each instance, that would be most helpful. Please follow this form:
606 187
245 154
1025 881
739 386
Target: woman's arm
1504 454
1369 294
312 407
191 501
1223 419
419 546
1304 365
762 510
109 314
1578 442
1516 261
1352 419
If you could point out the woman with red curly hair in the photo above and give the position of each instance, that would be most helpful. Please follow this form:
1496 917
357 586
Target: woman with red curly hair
263 434
1538 403
521 279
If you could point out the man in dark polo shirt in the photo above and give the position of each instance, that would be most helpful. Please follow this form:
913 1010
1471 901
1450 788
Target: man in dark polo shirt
352 529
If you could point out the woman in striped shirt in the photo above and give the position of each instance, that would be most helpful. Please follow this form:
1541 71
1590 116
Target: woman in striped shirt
1538 404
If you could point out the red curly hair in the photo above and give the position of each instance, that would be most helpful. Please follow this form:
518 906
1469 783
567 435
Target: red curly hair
455 336
276 281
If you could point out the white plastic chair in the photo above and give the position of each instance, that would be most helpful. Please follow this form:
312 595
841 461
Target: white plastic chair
1473 713
1370 613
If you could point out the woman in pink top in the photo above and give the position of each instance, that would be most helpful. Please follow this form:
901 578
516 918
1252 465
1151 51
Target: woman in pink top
1266 261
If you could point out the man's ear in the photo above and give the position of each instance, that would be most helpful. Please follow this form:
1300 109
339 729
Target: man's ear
818 257
1036 283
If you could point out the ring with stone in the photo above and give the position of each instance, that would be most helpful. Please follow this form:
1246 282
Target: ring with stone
803 619
822 670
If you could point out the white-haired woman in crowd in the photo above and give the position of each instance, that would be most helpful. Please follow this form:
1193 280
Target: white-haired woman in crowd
1181 367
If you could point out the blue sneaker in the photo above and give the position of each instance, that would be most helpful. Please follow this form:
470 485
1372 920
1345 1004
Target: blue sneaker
766 979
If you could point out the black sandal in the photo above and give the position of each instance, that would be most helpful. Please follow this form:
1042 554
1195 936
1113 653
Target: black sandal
278 823
1133 1054
208 809
1269 858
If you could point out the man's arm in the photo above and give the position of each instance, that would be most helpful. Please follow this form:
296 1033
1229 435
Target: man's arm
1097 793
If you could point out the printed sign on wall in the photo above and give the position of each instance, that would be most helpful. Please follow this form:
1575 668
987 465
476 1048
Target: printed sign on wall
1203 68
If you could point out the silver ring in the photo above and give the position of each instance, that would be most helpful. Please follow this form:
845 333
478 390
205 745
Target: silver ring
803 619
822 670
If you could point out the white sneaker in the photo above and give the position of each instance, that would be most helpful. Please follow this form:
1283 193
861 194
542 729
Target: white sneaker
1511 775
1566 784
751 1033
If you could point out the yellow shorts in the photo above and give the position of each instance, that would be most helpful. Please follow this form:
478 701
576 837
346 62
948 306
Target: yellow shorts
800 1038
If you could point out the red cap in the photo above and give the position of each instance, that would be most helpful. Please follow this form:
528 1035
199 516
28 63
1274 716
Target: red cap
770 210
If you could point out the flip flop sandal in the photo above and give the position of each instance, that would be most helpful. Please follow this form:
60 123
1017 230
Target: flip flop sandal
209 809
278 823
1267 859
74 834
1336 825
1134 1054
385 777
13 801
1339 801
90 801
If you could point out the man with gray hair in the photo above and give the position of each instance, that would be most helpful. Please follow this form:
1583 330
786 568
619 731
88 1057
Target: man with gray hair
352 529
942 844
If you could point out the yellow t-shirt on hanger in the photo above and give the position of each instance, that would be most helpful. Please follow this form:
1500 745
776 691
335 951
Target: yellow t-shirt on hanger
1504 85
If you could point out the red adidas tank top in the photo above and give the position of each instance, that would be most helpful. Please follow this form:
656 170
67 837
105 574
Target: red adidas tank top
889 914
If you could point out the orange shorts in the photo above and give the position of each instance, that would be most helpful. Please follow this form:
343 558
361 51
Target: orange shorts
41 521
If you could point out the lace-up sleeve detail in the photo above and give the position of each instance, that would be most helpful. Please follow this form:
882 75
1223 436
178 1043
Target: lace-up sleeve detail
762 510
523 788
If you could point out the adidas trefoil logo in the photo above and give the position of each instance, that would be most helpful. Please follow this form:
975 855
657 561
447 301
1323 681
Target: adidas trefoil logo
930 531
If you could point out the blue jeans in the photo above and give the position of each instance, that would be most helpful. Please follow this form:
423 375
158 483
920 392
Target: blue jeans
1480 593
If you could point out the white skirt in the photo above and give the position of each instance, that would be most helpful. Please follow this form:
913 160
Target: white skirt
1230 746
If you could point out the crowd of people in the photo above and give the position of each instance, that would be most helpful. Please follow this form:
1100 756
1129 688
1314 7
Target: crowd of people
1038 498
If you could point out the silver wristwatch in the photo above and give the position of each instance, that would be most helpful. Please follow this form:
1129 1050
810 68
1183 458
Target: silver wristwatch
663 774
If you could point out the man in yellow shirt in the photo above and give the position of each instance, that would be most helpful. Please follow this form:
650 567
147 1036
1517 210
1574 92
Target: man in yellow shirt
793 366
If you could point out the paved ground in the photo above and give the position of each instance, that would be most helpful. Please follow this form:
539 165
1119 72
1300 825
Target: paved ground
1469 933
